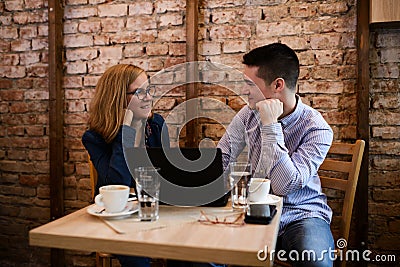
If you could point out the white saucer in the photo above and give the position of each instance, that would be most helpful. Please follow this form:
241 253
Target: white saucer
272 199
130 208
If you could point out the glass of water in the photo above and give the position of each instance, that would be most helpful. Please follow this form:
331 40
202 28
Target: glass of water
239 177
148 192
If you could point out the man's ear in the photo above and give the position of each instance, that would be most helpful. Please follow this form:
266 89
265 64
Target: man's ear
279 84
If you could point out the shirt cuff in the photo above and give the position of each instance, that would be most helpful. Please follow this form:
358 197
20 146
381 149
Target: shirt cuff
272 133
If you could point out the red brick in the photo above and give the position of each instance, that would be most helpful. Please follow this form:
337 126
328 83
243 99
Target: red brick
169 19
78 41
29 180
134 50
169 5
112 10
34 4
384 178
156 49
383 117
9 59
75 106
149 36
177 49
215 102
31 58
325 73
81 54
13 71
172 61
140 8
36 95
337 117
234 46
214 131
303 11
165 103
38 155
385 71
17 166
35 213
73 82
232 31
386 101
114 52
224 16
4 108
79 12
321 87
388 164
16 154
387 148
35 130
326 41
15 130
4 84
89 27
386 132
141 21
19 107
383 86
333 8
172 35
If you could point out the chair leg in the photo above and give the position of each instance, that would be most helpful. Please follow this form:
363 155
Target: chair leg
103 259
99 263
107 262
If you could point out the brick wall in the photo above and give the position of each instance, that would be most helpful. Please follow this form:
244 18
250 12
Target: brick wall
384 153
24 165
151 34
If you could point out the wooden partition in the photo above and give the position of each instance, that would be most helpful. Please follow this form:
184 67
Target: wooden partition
384 11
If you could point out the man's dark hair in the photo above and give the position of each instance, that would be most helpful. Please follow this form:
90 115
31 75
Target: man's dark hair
274 61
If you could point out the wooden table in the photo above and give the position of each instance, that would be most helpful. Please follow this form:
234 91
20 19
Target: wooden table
176 235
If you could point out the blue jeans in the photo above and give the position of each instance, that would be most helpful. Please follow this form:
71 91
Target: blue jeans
133 261
307 242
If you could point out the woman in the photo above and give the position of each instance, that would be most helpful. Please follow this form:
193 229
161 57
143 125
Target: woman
120 115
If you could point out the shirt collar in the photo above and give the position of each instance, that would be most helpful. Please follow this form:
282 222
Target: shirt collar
295 115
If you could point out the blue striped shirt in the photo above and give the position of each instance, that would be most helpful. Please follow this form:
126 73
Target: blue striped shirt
289 153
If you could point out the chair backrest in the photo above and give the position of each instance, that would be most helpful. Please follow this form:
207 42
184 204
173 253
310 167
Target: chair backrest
340 171
93 177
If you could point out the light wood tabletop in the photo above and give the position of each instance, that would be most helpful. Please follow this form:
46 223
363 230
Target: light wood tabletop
177 234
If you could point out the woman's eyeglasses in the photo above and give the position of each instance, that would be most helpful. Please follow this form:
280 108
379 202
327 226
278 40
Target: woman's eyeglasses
141 93
233 220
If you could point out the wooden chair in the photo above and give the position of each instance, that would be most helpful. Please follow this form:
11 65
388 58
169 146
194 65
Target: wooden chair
102 259
340 171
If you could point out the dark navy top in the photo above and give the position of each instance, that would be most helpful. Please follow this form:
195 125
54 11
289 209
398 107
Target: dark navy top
108 158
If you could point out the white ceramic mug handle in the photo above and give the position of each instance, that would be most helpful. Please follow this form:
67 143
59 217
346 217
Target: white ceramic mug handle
99 200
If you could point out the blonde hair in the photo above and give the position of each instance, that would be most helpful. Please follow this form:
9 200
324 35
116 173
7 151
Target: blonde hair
109 101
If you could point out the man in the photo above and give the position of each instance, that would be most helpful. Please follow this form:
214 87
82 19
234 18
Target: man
287 142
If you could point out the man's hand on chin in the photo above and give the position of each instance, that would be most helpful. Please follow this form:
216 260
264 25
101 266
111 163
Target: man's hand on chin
270 110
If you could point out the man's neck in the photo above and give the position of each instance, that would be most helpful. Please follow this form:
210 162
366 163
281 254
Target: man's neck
289 105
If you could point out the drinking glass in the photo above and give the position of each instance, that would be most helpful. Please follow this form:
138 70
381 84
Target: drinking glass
239 177
148 192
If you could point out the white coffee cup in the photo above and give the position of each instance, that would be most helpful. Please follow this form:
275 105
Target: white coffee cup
259 189
113 197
